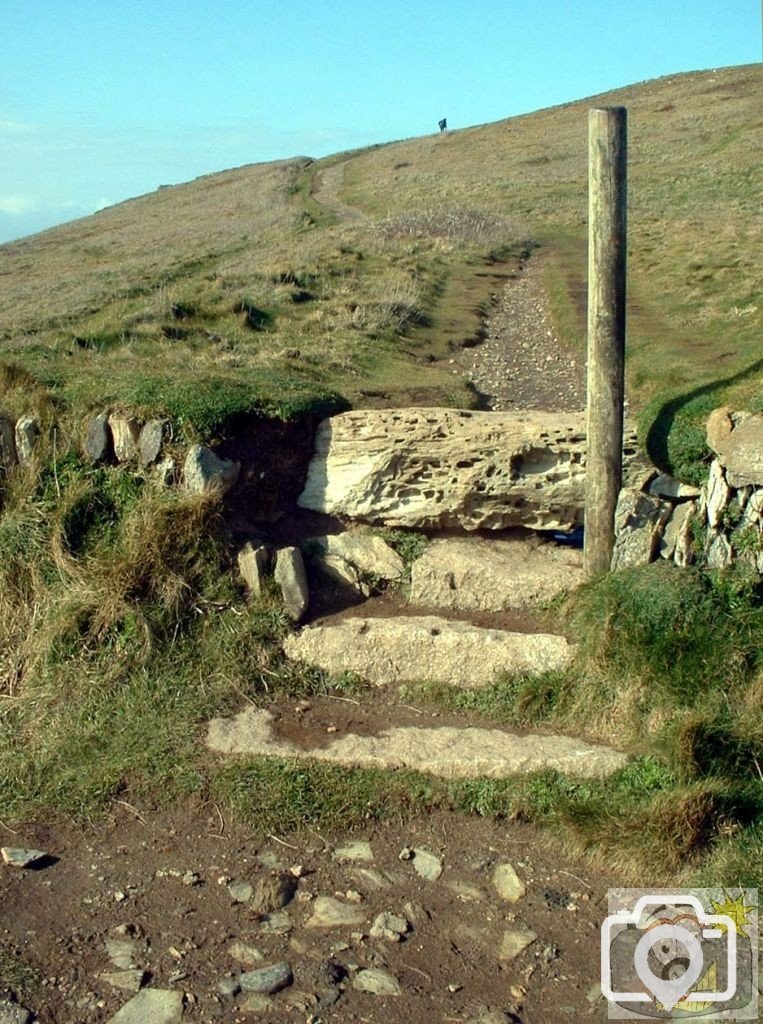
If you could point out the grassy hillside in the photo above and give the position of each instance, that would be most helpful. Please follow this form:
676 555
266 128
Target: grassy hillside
299 287
295 301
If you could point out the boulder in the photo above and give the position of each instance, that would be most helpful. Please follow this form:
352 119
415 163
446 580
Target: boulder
204 472
639 522
125 431
492 575
27 436
666 486
450 468
291 578
416 648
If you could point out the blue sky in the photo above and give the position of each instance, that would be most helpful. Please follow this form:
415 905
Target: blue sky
101 100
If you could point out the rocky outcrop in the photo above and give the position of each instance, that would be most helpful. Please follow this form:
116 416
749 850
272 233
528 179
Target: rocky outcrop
474 574
415 648
450 468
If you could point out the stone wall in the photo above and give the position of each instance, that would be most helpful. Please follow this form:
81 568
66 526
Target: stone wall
715 525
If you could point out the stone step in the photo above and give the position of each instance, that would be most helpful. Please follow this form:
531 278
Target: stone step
407 649
446 751
474 574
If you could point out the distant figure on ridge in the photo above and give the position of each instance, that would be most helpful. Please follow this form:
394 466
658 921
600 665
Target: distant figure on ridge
443 124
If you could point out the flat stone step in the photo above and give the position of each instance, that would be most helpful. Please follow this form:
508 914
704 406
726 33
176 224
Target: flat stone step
406 649
445 751
474 574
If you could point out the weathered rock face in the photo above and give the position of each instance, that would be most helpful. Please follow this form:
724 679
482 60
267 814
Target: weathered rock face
737 440
291 578
416 648
27 436
98 441
446 467
639 521
125 430
355 558
492 575
253 563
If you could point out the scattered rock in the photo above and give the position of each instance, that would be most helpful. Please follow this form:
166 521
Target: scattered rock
271 894
18 857
14 1013
359 850
278 923
389 926
98 443
204 472
151 1006
229 988
328 912
127 981
267 980
291 578
256 1003
377 982
27 436
466 892
427 864
121 952
409 649
508 884
244 953
514 941
125 432
241 892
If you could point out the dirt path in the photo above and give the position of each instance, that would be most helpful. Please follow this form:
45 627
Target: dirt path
521 363
326 186
162 887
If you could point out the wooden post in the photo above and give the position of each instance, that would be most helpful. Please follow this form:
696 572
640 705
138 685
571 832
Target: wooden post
607 195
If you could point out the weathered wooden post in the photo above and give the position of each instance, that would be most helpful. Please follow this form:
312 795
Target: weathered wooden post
607 198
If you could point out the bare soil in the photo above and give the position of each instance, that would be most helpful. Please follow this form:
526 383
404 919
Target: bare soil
161 878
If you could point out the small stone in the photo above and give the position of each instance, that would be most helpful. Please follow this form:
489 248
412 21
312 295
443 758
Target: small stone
159 1006
291 578
514 941
390 927
377 982
267 980
371 878
253 564
466 892
331 913
271 894
415 912
120 896
256 1003
427 864
244 953
165 473
98 443
508 883
278 923
241 892
18 857
359 851
121 952
191 878
13 1013
229 988
127 981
